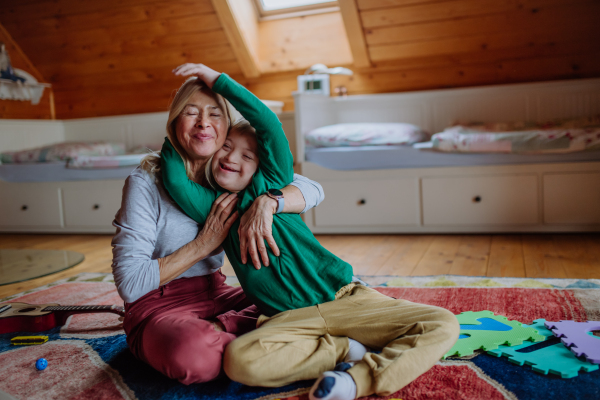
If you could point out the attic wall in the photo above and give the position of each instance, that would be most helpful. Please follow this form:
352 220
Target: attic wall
115 57
434 44
17 109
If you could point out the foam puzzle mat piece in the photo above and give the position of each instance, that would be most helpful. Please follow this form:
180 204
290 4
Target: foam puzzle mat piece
575 335
471 317
473 337
555 358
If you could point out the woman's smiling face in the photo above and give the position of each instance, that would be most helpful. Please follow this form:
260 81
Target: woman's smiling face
201 127
234 165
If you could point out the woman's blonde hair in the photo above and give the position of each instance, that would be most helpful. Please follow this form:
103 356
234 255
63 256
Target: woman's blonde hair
241 126
151 163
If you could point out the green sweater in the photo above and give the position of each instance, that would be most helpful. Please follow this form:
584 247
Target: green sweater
305 274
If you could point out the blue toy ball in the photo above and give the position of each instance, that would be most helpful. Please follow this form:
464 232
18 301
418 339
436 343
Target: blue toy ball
41 364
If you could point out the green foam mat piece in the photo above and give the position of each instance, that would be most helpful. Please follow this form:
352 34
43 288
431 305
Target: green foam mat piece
555 359
489 339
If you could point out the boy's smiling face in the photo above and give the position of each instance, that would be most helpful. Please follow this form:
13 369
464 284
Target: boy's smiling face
236 162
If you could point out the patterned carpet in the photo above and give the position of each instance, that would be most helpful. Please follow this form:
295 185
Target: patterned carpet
88 358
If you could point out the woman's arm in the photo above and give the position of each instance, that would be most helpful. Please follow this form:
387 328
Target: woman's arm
312 194
136 272
211 236
255 225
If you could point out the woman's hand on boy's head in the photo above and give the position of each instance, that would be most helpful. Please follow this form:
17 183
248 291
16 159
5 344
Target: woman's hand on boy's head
256 227
205 74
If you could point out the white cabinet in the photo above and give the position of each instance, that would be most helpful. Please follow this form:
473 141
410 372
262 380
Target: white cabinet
557 197
77 206
25 205
93 206
368 202
572 198
480 200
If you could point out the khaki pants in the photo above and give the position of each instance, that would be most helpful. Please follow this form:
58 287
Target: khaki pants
301 344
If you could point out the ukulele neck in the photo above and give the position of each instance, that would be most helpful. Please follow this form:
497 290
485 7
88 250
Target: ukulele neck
81 309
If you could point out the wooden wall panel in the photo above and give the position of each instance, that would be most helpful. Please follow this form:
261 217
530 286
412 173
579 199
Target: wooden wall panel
432 44
115 56
16 109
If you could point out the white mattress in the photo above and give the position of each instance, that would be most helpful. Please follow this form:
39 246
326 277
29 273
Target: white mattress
391 157
58 172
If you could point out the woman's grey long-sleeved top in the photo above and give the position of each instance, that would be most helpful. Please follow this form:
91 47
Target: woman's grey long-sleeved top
151 226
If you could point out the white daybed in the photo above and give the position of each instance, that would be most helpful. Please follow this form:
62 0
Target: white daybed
400 189
48 197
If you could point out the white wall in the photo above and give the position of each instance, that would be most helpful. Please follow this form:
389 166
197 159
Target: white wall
19 134
133 130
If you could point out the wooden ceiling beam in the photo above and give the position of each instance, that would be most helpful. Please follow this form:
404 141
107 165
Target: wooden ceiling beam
355 33
240 26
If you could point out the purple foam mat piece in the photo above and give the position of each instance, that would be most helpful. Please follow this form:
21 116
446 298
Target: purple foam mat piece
575 336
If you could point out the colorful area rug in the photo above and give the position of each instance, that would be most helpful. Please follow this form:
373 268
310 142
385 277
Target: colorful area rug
88 358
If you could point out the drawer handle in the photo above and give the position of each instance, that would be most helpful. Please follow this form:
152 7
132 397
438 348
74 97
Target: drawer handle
361 202
24 207
477 199
96 206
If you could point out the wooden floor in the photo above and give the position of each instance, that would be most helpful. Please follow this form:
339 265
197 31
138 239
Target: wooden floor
534 256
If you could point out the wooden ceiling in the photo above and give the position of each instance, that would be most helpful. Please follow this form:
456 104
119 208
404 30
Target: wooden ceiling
115 57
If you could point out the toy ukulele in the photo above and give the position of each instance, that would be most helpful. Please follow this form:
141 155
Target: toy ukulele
22 317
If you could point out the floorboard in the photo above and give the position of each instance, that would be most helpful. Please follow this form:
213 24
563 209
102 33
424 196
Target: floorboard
534 256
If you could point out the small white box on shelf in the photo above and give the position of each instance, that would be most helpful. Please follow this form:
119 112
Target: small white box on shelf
316 83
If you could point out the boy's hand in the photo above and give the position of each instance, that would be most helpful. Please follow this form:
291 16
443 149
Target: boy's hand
205 74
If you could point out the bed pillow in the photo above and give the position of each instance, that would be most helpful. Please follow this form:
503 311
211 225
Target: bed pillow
63 152
565 123
554 140
366 134
102 162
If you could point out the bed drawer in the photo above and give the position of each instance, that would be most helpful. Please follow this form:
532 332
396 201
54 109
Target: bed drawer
368 202
481 200
94 206
572 198
24 204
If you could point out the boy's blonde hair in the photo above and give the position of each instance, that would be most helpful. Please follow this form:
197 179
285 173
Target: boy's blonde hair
241 126
151 163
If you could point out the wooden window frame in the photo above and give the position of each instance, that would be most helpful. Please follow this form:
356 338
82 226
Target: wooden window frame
300 11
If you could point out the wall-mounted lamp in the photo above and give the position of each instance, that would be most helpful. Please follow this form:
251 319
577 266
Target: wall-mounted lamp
316 78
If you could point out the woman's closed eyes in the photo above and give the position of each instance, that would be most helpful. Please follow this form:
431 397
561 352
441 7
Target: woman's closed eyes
192 113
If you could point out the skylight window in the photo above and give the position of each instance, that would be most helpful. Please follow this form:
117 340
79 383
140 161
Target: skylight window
269 9
269 5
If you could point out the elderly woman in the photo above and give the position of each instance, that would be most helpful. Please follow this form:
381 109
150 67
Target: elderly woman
180 314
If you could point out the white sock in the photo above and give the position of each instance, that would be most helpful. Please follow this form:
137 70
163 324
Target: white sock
356 351
333 385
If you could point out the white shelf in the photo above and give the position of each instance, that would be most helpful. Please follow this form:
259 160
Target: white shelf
10 90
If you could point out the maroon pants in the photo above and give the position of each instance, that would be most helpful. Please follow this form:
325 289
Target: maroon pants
168 328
